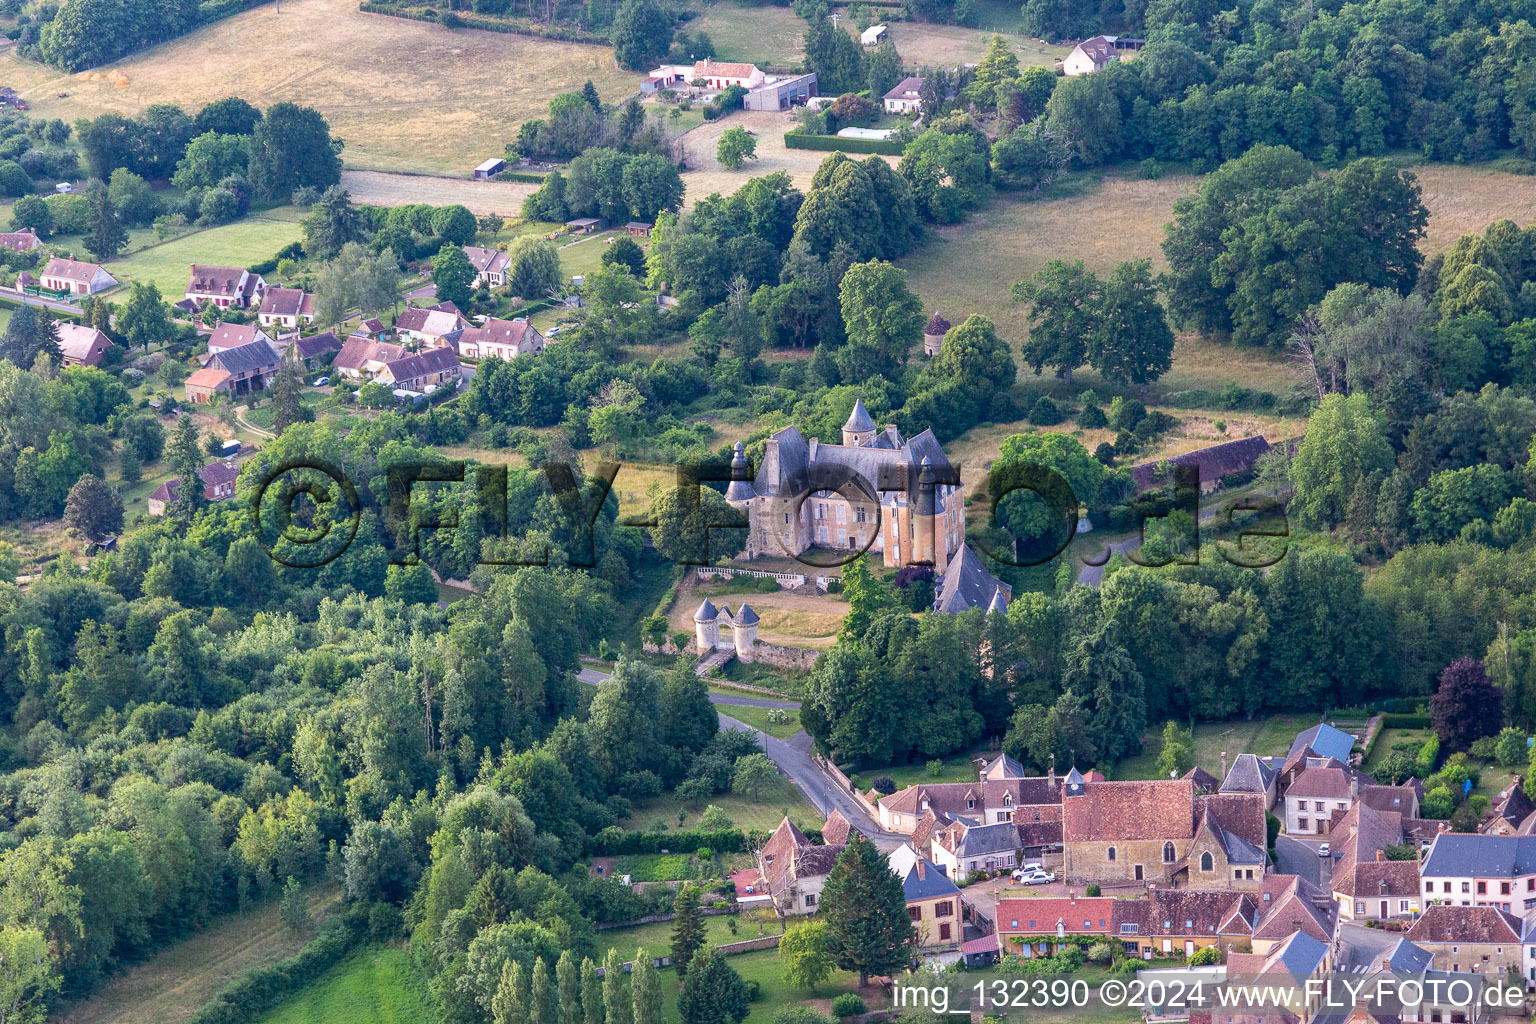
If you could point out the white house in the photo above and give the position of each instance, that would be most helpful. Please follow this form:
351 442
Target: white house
714 74
905 97
1468 870
1098 53
286 307
224 286
76 277
872 35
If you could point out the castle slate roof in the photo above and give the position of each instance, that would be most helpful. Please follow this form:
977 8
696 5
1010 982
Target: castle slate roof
921 879
883 474
745 616
966 583
707 612
1249 773
859 418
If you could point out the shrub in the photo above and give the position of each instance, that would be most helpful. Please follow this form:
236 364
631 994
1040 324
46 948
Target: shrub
799 140
934 768
1092 890
884 785
847 1005
1045 412
1092 418
754 990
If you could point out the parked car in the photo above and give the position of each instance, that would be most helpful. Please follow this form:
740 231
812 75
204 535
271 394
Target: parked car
552 332
1035 877
1323 850
321 382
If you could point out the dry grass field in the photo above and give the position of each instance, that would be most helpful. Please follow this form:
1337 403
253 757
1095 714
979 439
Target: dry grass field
749 32
1465 200
380 188
920 44
705 175
794 620
405 95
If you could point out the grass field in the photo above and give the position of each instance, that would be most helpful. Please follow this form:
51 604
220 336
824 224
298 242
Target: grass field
759 719
380 81
376 985
766 813
798 620
379 188
175 983
920 43
763 968
656 939
1266 736
240 244
955 768
705 175
761 34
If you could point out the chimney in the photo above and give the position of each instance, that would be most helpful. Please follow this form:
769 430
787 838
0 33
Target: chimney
1223 766
922 872
1071 895
1050 778
1380 856
814 444
1354 786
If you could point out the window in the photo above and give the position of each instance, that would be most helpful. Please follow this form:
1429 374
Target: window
1445 886
1429 886
1482 888
1503 888
969 803
1301 824
915 913
1132 929
860 515
1014 923
810 899
1465 887
1007 799
944 909
1359 907
943 933
786 518
1168 854
1402 906
1111 853
1206 863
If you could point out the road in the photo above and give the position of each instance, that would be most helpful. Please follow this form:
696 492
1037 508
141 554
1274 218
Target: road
793 756
1297 856
39 301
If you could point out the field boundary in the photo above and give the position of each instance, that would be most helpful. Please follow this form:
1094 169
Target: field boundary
460 21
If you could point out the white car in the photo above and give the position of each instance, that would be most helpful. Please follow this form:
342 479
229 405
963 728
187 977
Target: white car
63 188
321 382
1323 850
1036 877
552 332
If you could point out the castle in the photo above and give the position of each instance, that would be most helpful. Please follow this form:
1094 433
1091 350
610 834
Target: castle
875 492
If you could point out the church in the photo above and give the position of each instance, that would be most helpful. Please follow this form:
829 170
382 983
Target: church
875 491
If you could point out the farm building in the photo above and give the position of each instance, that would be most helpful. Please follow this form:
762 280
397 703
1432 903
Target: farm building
1098 53
639 228
1213 463
585 225
218 485
492 167
781 93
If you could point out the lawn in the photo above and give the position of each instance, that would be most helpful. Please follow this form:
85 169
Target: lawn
761 719
240 244
656 938
763 968
924 43
1266 736
376 984
585 255
174 984
1387 739
766 813
379 80
959 767
762 34
656 867
795 620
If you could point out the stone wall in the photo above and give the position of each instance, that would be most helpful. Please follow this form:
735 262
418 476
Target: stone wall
784 657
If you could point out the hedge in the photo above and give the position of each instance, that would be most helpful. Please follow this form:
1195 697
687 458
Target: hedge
1404 720
528 176
467 20
613 840
834 143
58 314
257 992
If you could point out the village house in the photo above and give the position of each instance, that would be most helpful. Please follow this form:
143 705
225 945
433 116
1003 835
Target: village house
251 367
372 327
426 370
1288 904
315 348
286 307
1001 793
1477 940
361 357
1297 959
793 869
205 385
430 326
875 491
491 265
1512 812
1173 922
1367 885
711 74
1480 871
20 241
1213 464
905 97
1322 787
963 849
1040 926
504 339
76 277
933 901
225 287
80 345
1251 773
218 485
1098 53
1324 740
228 336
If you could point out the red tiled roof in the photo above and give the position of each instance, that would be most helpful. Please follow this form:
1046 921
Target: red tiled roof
1039 915
1441 922
1129 811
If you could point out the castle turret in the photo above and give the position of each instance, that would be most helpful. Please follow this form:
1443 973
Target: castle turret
924 516
706 627
739 496
1075 782
999 603
933 334
744 631
860 428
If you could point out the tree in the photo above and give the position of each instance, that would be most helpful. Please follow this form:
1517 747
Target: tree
651 184
107 234
295 908
453 274
641 34
803 958
533 269
229 116
617 1002
712 992
28 334
210 158
32 212
735 146
1063 299
287 409
93 508
753 773
1131 342
865 911
591 993
949 169
646 986
713 819
1177 755
1510 748
1085 113
1031 156
543 1000
694 526
883 319
454 224
974 358
186 459
569 987
1344 445
625 252
356 279
687 929
291 147
331 223
144 320
883 68
1466 706
834 56
510 1004
28 973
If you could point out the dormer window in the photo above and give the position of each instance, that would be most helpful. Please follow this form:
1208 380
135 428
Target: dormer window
925 805
1007 799
969 803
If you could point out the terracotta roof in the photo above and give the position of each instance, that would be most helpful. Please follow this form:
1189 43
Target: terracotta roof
1214 462
486 259
519 333
207 377
908 88
71 269
1401 878
1204 781
1129 811
19 241
1331 783
1389 798
1441 922
837 829
433 360
430 321
1191 912
212 475
1040 915
81 343
926 827
951 797
227 336
936 325
1039 833
709 68
788 855
1289 903
1512 805
319 344
1236 814
356 351
223 281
